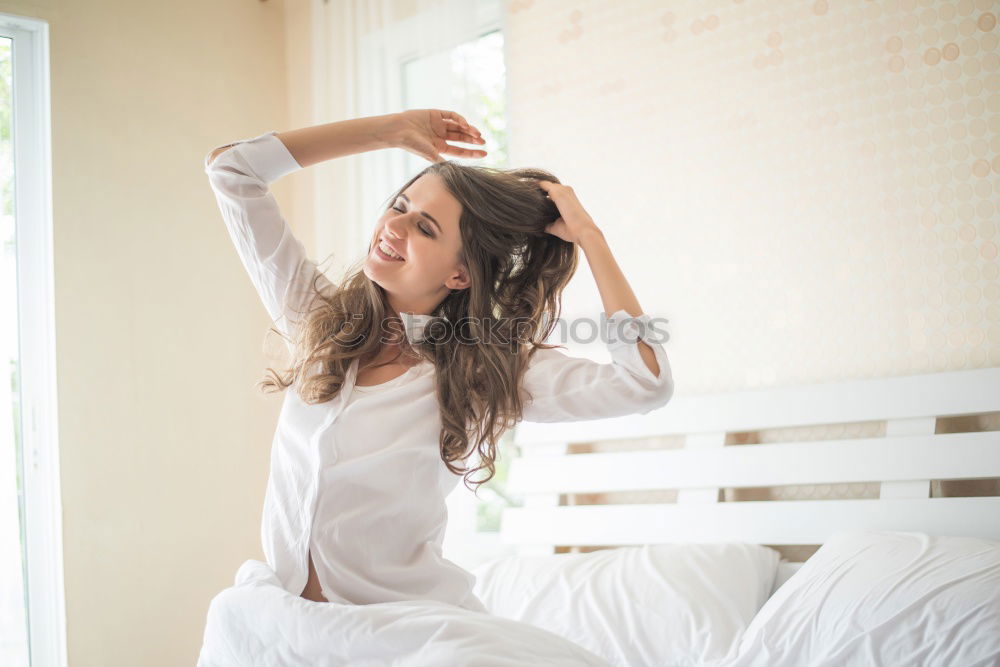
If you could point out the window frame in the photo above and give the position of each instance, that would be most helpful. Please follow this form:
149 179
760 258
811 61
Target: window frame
389 50
42 503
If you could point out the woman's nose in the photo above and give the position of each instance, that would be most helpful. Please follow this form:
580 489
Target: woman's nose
396 226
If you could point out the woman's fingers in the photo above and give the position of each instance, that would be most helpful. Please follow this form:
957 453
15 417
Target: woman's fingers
453 116
549 188
458 132
431 142
463 136
463 152
460 119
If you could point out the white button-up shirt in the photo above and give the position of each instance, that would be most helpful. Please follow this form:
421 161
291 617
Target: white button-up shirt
359 480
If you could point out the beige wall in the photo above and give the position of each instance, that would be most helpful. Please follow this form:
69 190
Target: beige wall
808 191
820 187
164 442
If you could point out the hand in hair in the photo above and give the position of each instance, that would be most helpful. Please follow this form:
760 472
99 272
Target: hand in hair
425 133
573 222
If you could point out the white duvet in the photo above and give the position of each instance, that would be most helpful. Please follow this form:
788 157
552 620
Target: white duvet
257 622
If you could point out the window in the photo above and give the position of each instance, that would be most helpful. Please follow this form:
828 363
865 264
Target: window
31 583
459 67
474 85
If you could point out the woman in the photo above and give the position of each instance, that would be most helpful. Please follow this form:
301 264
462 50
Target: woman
425 354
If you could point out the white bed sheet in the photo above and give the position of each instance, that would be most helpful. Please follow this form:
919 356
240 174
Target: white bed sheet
256 622
880 599
785 571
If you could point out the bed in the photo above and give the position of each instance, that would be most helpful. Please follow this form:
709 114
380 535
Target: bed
907 577
903 578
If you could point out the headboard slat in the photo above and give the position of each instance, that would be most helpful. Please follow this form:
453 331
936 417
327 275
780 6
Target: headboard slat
902 458
909 488
788 521
903 464
931 395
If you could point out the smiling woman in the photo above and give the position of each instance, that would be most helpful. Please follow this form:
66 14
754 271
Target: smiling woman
423 262
457 242
375 420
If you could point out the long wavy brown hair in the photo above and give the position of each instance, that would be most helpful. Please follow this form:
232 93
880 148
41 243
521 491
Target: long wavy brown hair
491 329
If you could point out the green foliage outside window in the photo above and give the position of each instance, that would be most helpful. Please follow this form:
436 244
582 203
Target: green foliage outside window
493 494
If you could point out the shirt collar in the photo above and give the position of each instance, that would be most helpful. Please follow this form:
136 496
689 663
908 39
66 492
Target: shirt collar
415 325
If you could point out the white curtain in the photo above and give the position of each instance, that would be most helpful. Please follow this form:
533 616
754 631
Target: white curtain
361 48
375 57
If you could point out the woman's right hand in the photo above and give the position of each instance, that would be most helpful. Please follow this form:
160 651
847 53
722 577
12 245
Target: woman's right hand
425 133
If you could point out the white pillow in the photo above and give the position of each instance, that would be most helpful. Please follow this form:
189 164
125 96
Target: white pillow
785 572
883 598
666 604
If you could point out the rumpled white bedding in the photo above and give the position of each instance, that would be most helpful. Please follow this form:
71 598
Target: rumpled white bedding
256 622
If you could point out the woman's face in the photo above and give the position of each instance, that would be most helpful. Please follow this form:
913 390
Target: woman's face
422 227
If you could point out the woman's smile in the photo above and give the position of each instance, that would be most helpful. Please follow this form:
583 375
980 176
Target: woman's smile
383 255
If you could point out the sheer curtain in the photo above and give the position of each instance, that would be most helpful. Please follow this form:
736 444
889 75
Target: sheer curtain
375 57
362 49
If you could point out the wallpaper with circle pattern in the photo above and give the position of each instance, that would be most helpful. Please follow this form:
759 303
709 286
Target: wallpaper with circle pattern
808 191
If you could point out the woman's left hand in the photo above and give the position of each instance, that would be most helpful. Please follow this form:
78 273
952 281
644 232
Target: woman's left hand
426 133
573 222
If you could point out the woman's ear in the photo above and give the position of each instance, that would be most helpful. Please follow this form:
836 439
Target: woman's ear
460 280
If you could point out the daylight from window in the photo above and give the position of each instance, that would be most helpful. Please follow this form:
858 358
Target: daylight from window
13 609
476 88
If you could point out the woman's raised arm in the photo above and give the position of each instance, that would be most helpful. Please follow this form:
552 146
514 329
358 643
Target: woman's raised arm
423 132
576 225
318 143
638 379
241 172
561 387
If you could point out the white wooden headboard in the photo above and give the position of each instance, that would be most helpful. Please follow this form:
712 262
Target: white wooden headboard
904 462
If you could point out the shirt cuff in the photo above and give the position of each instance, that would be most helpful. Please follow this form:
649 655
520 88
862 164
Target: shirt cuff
624 330
267 156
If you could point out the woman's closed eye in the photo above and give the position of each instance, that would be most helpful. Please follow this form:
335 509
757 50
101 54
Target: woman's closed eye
421 227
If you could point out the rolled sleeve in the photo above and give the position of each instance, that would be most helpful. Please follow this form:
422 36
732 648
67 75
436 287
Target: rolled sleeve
266 156
275 260
565 388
